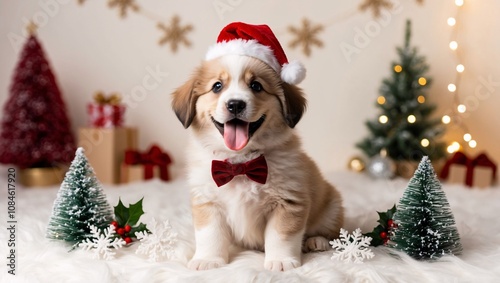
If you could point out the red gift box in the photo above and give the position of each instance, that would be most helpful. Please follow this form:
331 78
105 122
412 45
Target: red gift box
147 165
478 172
106 112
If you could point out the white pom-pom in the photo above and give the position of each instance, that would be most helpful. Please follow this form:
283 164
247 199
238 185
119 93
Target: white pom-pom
293 72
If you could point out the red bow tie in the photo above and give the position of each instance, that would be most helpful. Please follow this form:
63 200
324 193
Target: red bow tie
223 172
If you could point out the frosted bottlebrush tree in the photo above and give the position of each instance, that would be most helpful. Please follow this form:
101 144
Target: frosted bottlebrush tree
80 203
424 224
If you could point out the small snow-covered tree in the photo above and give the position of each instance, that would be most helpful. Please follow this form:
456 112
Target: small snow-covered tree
80 203
424 223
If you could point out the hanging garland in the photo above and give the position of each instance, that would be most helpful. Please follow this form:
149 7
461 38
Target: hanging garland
305 36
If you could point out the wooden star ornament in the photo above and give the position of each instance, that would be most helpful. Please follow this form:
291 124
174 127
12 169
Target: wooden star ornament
376 6
306 36
123 5
174 34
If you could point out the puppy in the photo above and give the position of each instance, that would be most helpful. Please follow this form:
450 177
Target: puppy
251 184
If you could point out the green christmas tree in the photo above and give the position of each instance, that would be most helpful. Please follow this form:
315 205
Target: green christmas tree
404 127
80 203
424 224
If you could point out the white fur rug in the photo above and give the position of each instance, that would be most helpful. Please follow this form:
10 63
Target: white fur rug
41 260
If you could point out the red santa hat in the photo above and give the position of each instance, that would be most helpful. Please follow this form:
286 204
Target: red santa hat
257 41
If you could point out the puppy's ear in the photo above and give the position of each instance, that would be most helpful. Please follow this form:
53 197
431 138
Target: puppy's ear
184 102
295 104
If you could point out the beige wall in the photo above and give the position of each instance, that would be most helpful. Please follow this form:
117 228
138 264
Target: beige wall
91 48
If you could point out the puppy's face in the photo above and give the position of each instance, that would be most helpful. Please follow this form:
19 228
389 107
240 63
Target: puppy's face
237 102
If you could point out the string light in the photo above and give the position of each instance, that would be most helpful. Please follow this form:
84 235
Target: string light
453 45
453 88
453 147
425 142
421 99
412 119
383 119
446 119
381 100
467 137
472 143
398 68
451 21
422 81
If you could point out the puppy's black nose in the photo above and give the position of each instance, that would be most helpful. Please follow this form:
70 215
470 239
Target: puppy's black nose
236 106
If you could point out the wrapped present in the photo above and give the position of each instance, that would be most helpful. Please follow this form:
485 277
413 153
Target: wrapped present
478 172
106 111
146 165
105 150
482 172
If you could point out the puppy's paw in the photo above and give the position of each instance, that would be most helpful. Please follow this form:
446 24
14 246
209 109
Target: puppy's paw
205 264
282 265
316 244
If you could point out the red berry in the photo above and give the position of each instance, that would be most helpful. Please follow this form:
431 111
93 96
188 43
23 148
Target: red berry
390 223
114 223
383 235
128 240
120 231
127 228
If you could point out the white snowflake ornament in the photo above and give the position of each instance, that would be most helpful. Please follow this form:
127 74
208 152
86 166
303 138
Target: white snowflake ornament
102 243
352 248
158 245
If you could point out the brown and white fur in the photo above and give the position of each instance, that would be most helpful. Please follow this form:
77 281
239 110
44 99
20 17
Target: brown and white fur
295 209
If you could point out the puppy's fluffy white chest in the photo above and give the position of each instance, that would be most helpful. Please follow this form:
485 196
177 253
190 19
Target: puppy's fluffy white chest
245 205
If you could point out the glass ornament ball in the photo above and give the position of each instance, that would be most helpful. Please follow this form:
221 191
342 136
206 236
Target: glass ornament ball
380 167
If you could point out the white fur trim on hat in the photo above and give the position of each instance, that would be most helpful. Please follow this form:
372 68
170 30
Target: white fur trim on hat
250 48
293 72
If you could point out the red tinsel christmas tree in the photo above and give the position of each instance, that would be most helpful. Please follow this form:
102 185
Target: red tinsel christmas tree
35 129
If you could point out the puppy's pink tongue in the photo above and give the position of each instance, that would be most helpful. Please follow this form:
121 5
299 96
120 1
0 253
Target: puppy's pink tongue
236 134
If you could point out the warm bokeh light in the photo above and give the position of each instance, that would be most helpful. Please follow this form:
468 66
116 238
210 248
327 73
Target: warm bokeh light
425 142
398 68
467 137
453 147
453 45
451 21
383 119
460 68
421 99
412 119
461 108
381 100
459 3
446 119
472 143
452 87
422 81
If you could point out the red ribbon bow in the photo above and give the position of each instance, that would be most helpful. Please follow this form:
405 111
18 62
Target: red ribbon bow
154 157
256 170
462 159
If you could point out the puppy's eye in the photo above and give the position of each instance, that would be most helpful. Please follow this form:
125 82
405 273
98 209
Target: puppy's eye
256 86
217 87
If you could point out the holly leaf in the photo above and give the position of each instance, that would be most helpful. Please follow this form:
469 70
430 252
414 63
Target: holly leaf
128 215
135 212
383 226
121 213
